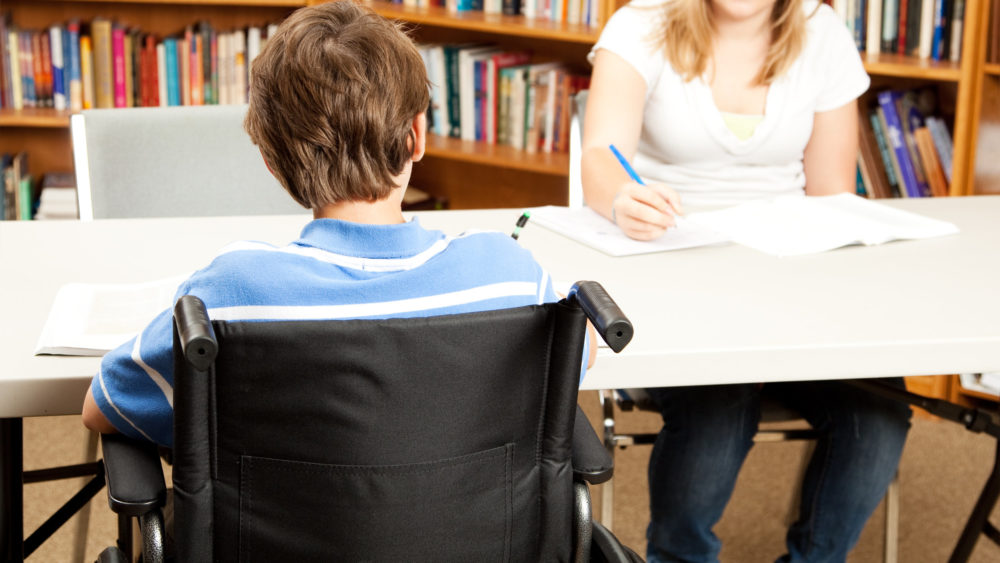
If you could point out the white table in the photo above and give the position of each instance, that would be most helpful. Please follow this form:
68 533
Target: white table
721 314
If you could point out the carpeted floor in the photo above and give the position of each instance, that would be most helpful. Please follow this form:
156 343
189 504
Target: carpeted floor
942 471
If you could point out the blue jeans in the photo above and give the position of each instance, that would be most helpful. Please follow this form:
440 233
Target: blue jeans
707 433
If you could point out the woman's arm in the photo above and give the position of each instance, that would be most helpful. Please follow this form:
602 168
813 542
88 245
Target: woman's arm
614 116
831 157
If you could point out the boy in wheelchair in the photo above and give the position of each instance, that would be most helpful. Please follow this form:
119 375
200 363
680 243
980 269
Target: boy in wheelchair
337 101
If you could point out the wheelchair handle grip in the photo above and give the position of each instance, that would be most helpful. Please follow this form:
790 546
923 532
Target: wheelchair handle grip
195 332
609 320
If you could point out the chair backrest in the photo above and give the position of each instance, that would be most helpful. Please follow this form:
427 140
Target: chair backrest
171 162
579 106
436 439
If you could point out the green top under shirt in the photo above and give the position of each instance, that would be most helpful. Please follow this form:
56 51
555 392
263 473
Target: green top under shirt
742 125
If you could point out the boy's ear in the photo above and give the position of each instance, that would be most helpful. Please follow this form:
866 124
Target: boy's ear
268 165
419 136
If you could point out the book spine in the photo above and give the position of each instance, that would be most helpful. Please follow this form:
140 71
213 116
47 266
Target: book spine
27 70
242 50
118 68
75 72
883 150
942 144
103 74
511 7
894 133
873 36
14 54
87 73
890 25
937 41
48 74
904 6
5 90
58 86
454 106
957 24
161 75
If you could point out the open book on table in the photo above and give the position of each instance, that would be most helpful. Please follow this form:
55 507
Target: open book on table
89 319
784 226
794 225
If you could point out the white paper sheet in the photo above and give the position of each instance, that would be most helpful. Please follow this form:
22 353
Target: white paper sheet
584 225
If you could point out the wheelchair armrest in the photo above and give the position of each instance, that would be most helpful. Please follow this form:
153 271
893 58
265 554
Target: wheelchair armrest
591 461
134 475
610 322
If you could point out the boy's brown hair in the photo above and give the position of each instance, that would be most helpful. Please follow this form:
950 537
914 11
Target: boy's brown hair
333 95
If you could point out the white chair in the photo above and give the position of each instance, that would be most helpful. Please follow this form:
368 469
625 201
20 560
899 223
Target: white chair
171 162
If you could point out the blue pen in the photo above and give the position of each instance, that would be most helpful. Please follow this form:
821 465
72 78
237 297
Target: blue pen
634 176
626 165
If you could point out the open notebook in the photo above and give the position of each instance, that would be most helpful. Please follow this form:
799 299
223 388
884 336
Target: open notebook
784 226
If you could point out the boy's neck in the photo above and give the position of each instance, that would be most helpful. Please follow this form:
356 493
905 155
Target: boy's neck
385 211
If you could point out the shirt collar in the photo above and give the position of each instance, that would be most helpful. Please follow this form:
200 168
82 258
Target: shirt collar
399 240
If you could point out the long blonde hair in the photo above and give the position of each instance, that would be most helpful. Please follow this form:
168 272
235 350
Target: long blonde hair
687 38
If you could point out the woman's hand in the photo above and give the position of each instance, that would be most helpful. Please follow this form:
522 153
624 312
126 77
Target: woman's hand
645 212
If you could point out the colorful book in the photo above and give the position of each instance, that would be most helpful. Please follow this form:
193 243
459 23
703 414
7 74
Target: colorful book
879 181
14 56
161 75
932 166
89 95
75 76
104 86
942 143
59 99
118 70
894 134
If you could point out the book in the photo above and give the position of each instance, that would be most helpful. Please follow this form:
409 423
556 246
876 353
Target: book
877 180
797 225
184 66
894 136
942 143
89 319
14 56
75 76
890 25
926 29
119 71
104 87
161 74
938 37
241 52
912 118
957 22
928 155
59 99
893 163
89 96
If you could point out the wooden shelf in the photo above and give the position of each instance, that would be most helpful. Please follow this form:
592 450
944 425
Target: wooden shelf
901 66
556 164
992 68
34 117
488 23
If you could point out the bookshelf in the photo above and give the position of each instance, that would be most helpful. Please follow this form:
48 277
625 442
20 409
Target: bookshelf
474 174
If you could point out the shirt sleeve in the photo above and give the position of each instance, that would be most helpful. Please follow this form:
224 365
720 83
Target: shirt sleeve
629 34
842 70
134 387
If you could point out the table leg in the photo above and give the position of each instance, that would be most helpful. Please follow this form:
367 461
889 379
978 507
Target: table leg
978 521
11 490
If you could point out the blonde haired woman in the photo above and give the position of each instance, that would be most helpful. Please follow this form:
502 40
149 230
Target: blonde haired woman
718 102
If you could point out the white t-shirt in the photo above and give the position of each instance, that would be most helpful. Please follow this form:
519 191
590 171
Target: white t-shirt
685 142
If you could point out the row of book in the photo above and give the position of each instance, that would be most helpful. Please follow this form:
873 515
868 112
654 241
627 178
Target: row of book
105 64
485 93
927 29
904 150
583 12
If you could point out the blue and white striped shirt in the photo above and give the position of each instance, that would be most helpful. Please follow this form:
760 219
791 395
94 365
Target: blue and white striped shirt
335 270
